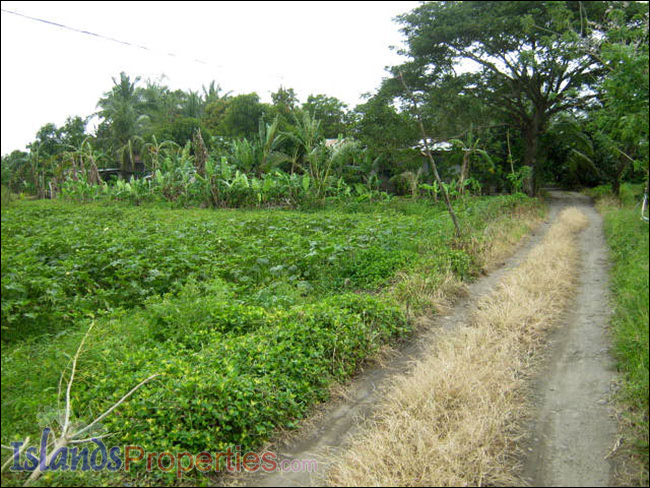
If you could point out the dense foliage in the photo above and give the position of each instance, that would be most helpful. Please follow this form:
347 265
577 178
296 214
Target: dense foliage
531 93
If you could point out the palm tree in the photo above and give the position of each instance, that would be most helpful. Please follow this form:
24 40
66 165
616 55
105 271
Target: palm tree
193 105
158 102
122 108
212 93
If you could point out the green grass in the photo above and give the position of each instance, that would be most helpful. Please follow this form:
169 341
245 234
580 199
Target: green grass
627 236
249 316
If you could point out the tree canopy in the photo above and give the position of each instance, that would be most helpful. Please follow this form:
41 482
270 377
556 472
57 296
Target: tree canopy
512 95
518 61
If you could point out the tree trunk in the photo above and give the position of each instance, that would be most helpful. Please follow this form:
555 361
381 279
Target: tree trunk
531 137
618 176
464 170
425 141
616 187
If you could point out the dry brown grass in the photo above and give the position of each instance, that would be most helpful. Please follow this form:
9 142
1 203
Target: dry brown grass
503 237
422 292
454 419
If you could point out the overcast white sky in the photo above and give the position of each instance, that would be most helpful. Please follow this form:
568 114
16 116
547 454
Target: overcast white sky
48 73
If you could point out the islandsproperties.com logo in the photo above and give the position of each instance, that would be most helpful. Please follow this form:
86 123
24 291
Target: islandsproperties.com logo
96 456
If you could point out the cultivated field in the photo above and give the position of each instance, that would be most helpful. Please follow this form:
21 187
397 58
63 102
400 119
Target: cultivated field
249 317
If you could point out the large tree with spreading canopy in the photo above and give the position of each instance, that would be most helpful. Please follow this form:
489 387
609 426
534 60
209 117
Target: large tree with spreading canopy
515 56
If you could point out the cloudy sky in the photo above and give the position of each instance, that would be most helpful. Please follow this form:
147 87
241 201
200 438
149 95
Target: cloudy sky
48 73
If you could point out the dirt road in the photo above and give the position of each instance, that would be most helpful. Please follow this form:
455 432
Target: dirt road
571 433
574 431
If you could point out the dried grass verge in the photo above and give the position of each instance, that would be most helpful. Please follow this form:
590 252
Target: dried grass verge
454 419
432 291
501 239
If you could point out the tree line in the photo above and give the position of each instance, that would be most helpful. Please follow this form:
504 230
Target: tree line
512 96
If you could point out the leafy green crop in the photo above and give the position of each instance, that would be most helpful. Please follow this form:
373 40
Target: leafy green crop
249 316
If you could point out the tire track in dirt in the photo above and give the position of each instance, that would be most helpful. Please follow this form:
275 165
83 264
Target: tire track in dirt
574 429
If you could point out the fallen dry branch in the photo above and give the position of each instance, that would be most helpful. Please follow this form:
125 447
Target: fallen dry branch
455 418
68 435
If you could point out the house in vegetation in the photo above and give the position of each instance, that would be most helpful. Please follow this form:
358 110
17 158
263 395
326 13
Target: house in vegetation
108 174
439 150
332 143
136 170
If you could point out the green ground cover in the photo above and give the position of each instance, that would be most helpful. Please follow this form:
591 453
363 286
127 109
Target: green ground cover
249 316
627 236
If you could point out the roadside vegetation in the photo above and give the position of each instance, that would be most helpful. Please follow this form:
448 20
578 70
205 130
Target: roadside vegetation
568 106
627 235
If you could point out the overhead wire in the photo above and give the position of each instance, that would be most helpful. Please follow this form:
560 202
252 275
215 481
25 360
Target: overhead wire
108 38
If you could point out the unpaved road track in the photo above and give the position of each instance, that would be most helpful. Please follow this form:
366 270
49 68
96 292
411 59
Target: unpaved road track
574 429
554 454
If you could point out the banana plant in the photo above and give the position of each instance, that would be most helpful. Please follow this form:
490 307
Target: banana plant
323 164
469 148
412 180
431 189
270 138
134 147
154 151
260 154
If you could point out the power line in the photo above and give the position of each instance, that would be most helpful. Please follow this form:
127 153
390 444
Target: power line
111 39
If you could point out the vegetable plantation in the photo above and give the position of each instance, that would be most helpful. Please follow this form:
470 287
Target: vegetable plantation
249 316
